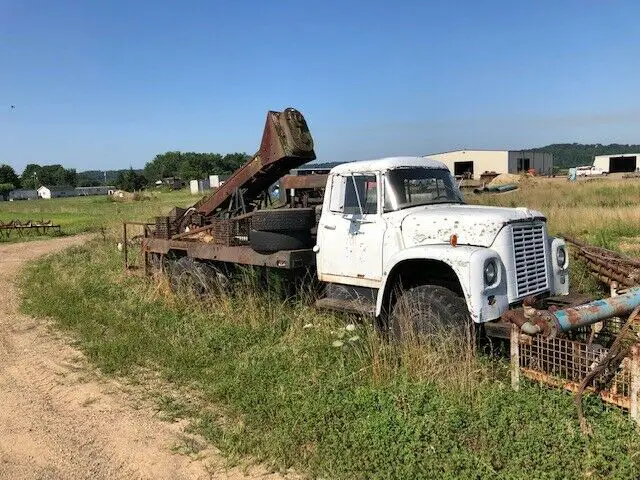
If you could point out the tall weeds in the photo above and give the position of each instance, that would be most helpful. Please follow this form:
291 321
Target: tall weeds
325 393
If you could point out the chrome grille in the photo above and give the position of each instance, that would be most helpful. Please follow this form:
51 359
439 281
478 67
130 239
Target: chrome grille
530 259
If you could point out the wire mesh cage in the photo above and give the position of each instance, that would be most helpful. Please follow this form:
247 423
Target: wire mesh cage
230 232
565 362
163 228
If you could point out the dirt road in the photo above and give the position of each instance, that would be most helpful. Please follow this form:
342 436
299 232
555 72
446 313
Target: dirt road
60 420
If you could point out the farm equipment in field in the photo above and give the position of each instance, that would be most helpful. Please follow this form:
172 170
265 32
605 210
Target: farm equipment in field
28 227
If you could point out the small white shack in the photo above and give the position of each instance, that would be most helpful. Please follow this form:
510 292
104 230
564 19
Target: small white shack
201 186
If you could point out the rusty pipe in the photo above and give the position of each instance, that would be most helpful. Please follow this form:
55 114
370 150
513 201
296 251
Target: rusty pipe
549 323
574 317
614 263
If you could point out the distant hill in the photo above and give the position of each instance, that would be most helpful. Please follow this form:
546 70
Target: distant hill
566 155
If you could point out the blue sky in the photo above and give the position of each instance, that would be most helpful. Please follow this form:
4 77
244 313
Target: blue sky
108 84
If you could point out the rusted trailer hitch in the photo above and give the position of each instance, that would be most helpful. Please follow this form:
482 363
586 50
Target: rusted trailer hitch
549 322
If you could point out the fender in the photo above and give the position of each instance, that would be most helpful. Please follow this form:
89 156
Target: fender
467 262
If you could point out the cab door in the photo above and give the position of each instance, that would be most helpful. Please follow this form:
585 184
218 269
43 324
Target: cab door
351 231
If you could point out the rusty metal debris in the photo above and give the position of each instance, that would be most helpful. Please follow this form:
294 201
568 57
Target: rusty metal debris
606 265
39 227
609 365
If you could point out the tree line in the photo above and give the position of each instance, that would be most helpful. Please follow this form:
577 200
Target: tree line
192 165
185 165
35 175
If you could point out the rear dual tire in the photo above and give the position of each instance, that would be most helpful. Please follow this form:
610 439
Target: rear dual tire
198 278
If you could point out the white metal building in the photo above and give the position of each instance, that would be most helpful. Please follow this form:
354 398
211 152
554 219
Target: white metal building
22 194
56 192
477 162
97 190
622 162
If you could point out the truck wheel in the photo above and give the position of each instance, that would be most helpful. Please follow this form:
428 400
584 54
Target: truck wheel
199 278
429 310
269 242
283 220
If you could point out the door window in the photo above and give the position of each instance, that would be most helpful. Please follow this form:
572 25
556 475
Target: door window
361 195
338 187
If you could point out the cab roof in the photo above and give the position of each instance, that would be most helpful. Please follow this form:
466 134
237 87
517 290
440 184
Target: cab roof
387 163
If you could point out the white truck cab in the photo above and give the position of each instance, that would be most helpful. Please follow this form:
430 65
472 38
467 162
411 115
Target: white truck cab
401 225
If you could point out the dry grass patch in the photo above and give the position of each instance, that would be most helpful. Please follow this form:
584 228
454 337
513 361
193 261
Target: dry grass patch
600 211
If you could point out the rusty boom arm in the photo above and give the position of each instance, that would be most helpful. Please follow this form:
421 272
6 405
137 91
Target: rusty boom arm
286 144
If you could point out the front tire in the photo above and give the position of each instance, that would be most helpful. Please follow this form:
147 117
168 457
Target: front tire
429 311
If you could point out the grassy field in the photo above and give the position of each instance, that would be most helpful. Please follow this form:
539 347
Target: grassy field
286 385
91 214
604 212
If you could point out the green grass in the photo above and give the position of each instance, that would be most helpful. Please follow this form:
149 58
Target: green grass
91 214
261 377
256 380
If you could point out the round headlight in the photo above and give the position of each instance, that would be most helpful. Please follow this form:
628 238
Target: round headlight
561 255
490 272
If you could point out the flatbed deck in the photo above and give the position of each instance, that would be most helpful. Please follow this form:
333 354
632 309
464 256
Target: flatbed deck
240 254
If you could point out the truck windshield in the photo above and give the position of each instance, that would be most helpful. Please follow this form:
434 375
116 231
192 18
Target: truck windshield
410 187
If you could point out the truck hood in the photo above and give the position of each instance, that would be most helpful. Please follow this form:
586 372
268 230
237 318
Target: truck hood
473 224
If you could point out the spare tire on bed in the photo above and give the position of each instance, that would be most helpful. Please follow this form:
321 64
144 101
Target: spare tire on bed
283 220
269 242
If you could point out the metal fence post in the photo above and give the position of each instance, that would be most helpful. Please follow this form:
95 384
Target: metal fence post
124 245
515 357
634 388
